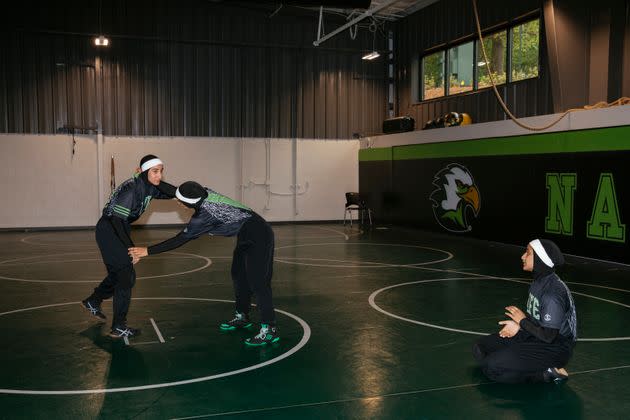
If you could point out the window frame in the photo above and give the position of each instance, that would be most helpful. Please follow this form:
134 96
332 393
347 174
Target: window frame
448 72
510 34
506 58
444 70
446 47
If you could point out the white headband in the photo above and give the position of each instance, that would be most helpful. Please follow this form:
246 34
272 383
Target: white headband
180 197
539 249
150 164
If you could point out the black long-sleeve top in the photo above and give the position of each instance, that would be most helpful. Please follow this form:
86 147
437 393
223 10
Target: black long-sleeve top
130 200
215 215
550 309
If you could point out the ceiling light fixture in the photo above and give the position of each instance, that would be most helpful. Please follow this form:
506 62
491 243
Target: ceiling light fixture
101 41
374 54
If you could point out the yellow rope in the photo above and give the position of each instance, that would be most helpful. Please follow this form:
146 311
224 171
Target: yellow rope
621 101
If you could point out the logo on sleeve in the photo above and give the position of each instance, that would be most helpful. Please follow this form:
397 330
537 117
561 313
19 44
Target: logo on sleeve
547 317
533 307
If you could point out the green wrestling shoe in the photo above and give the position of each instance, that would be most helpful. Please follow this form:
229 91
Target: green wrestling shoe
267 334
240 321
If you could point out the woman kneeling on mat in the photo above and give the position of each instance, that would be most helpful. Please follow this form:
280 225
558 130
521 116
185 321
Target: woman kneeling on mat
534 347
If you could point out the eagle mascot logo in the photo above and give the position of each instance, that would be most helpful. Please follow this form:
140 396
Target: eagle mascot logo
455 198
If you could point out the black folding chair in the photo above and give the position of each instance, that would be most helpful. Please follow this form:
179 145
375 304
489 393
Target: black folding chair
354 202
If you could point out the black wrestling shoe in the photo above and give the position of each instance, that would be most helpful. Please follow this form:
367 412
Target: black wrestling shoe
554 375
94 310
122 331
240 320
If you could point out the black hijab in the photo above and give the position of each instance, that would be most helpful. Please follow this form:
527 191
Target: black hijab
549 254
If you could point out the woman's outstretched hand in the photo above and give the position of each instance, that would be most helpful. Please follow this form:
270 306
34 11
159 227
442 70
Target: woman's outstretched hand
137 252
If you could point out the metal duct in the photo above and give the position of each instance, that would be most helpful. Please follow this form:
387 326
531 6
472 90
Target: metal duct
338 4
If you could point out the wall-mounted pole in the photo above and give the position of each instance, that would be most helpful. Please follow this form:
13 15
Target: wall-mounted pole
98 72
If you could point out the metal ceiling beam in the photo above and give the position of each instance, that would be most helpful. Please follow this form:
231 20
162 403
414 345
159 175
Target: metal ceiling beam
354 21
418 6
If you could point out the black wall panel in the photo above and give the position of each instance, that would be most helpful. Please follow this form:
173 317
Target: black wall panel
191 68
446 22
512 192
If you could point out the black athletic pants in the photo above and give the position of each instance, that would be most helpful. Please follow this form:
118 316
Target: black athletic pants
121 275
252 268
522 358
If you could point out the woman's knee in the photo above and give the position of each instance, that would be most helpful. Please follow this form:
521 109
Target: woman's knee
495 367
126 277
478 353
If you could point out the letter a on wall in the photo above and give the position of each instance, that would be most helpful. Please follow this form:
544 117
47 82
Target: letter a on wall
605 223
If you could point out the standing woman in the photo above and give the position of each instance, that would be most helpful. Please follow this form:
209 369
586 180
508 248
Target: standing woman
125 206
537 345
252 265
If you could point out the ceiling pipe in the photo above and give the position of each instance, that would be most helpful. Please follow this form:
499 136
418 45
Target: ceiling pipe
339 4
354 21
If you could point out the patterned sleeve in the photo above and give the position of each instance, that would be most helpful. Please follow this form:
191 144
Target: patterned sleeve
123 203
196 227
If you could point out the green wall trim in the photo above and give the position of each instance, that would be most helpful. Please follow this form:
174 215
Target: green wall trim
384 153
592 140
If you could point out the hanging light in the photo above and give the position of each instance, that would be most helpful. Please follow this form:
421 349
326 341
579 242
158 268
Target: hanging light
374 54
101 41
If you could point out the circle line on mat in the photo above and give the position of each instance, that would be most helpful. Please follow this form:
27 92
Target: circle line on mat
305 337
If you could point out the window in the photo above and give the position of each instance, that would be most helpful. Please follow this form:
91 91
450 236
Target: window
525 42
495 46
460 68
433 75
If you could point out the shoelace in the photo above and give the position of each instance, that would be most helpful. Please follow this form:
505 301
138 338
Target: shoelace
262 334
124 333
92 309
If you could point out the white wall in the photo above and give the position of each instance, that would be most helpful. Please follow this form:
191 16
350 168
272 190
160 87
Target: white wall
45 186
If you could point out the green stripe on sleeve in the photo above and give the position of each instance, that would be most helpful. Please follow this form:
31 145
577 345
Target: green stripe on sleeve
122 210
